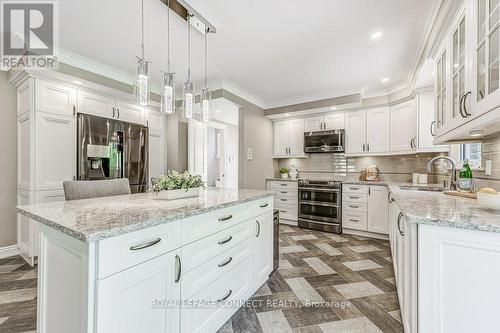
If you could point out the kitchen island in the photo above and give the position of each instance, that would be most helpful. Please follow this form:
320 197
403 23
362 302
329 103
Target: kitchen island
446 255
133 263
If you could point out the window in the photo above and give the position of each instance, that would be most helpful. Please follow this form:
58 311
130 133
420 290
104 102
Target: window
471 152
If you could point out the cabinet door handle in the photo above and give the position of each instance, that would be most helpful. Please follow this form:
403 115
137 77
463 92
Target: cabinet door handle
400 216
389 197
74 110
265 205
258 228
225 262
225 297
178 268
461 107
223 219
431 129
145 245
227 240
467 114
118 113
363 147
367 147
113 112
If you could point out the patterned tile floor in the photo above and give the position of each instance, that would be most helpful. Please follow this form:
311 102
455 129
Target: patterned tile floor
325 283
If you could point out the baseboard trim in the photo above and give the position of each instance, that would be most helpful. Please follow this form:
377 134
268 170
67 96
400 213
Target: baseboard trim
8 251
364 234
289 222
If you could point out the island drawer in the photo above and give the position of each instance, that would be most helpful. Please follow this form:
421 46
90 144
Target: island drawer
355 220
201 226
235 286
355 189
200 277
288 212
121 252
209 247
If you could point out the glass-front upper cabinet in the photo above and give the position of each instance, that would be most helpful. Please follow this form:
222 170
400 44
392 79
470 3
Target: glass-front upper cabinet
486 95
441 85
458 69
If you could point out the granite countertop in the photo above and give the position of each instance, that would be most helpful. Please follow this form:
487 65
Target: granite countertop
91 220
439 209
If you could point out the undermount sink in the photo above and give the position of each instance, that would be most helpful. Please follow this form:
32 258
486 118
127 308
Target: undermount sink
421 188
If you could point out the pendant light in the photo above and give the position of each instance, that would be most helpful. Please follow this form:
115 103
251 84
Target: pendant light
188 88
141 84
206 93
168 90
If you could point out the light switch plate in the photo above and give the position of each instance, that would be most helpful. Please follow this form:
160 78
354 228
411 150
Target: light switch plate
487 168
249 154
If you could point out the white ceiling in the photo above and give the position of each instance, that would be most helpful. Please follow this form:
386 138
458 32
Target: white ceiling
281 51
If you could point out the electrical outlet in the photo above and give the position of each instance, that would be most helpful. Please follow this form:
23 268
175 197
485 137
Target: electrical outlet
487 168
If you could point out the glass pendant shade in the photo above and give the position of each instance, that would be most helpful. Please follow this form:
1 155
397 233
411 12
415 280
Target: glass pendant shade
168 94
188 99
141 85
206 105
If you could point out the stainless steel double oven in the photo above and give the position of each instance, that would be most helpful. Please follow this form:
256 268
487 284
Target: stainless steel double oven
320 205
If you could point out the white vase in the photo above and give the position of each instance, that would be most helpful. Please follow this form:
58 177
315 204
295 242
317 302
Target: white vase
178 194
284 175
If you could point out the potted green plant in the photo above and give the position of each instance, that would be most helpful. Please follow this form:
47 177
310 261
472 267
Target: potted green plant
177 185
284 173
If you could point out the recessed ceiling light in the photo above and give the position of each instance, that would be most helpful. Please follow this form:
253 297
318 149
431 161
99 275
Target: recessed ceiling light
77 82
433 73
376 35
218 111
385 79
287 115
333 108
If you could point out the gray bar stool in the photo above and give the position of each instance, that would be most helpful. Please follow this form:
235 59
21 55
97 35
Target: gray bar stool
83 189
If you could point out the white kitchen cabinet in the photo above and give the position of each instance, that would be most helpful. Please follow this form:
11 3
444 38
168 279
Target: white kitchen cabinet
426 123
55 150
312 124
458 278
263 247
55 98
378 130
334 121
325 122
96 105
378 209
403 127
289 138
485 50
129 112
355 131
126 299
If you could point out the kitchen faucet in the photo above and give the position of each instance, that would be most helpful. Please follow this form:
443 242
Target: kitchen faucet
453 183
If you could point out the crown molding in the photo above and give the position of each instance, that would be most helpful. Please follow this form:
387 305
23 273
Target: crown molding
228 85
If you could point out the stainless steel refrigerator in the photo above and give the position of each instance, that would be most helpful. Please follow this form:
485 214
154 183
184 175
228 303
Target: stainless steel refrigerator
109 149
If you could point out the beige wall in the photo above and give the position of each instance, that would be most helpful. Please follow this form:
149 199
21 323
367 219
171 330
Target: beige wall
8 163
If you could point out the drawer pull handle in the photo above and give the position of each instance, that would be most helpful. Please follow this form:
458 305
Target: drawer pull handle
282 211
284 199
145 245
178 268
353 206
227 240
226 262
225 297
264 205
354 198
222 219
353 220
354 188
284 184
284 192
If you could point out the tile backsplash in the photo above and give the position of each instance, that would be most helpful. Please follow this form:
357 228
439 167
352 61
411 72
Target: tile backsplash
393 168
490 151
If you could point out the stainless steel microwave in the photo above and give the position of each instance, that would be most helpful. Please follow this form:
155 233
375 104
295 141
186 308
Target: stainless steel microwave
324 141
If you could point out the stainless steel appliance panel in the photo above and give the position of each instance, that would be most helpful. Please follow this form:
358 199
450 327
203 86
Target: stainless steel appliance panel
324 141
